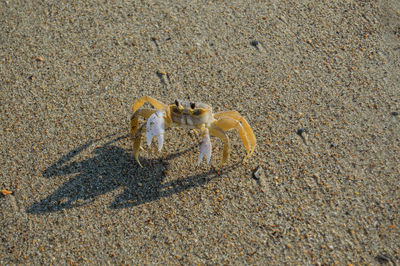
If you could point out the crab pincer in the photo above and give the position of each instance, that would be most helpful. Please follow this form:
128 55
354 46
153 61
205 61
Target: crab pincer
205 148
155 127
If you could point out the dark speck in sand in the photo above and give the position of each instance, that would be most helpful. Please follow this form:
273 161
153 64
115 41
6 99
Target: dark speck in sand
383 259
301 131
254 43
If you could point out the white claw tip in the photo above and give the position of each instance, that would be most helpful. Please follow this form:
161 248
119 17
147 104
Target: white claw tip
205 148
155 127
160 140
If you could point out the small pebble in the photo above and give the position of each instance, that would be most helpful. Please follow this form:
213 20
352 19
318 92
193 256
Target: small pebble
163 76
161 72
258 45
258 173
317 178
301 131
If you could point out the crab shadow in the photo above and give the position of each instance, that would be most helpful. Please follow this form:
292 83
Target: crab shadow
113 168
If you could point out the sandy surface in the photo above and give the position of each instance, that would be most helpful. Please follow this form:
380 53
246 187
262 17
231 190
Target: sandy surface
71 70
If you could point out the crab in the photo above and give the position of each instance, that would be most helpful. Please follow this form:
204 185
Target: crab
190 115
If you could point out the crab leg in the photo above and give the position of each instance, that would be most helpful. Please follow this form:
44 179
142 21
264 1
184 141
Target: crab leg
155 127
205 148
157 104
218 132
246 127
145 113
137 139
227 123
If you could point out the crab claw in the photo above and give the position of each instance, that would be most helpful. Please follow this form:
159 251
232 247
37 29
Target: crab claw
205 148
155 127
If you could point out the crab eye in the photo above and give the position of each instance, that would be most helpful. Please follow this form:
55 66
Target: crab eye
192 105
177 103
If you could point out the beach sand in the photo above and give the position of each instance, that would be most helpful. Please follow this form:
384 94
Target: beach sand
71 70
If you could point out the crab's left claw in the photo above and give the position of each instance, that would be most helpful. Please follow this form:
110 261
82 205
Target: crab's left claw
156 127
205 148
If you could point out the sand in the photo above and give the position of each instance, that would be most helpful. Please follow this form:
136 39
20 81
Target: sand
318 82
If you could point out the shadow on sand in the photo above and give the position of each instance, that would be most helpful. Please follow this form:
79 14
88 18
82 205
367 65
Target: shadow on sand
110 168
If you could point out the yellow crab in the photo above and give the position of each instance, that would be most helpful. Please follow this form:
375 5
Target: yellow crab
188 115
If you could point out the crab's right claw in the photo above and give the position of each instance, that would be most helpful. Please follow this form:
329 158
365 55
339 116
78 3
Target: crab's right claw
205 148
155 127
